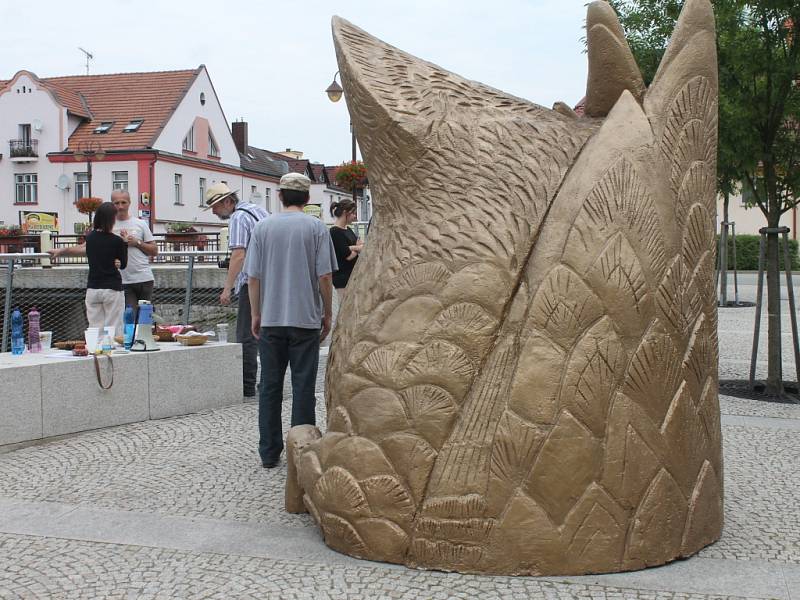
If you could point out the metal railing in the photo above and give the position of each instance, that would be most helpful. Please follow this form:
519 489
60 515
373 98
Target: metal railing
185 293
23 148
179 244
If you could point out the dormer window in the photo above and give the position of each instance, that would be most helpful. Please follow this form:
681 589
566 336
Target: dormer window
213 150
133 126
188 141
104 127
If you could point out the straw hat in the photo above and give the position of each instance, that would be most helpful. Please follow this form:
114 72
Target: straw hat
217 193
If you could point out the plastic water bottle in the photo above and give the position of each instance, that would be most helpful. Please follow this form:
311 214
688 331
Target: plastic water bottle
17 337
128 320
107 346
34 342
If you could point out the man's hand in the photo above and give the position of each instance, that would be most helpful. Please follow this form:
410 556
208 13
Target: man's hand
55 252
225 297
132 241
326 328
255 325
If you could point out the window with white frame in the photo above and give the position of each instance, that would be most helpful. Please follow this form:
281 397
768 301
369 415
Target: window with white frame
267 200
26 185
119 180
81 185
188 141
104 127
133 126
178 185
213 150
253 190
202 191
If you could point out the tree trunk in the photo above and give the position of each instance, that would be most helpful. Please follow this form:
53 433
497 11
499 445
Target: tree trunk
774 354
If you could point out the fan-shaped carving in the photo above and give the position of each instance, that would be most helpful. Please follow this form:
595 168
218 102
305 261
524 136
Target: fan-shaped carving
430 410
338 491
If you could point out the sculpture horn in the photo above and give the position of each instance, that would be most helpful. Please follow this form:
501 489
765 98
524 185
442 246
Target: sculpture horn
612 67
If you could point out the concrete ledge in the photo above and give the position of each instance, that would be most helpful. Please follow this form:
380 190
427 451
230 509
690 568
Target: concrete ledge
20 404
200 378
44 397
73 401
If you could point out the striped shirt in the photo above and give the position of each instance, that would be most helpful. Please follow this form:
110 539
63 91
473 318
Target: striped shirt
240 230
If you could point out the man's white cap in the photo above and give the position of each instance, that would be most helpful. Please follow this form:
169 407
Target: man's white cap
295 181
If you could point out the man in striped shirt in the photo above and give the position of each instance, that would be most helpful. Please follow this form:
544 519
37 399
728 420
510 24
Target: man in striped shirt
243 218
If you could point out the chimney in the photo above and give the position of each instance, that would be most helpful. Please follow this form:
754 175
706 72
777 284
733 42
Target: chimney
239 130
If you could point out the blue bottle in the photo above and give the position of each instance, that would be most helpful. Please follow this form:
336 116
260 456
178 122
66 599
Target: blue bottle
128 321
17 337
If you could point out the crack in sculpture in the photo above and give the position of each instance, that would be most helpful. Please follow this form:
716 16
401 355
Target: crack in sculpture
523 376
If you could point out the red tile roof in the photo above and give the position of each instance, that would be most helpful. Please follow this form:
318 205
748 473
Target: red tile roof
580 107
319 171
120 98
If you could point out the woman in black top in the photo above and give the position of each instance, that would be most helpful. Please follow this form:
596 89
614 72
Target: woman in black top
345 243
107 253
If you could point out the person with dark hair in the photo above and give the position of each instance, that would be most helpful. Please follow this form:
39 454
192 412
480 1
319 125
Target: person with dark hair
346 244
107 253
289 264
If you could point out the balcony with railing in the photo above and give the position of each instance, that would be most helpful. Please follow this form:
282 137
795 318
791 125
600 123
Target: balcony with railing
23 150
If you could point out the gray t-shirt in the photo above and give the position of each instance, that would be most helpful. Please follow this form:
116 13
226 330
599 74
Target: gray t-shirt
288 253
138 269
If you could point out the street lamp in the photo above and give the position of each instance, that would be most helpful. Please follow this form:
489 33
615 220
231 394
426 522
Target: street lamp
335 93
90 151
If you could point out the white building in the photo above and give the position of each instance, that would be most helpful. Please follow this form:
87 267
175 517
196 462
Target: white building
162 136
750 220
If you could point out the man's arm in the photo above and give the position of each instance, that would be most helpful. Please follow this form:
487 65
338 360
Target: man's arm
148 248
326 289
254 293
79 250
238 256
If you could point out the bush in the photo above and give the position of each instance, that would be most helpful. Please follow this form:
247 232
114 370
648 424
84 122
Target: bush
747 252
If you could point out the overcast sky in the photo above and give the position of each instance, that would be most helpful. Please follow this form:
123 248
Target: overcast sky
271 61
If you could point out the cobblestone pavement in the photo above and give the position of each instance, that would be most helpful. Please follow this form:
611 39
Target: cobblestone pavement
181 508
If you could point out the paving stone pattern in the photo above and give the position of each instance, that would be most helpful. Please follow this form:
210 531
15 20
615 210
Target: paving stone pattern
49 568
206 465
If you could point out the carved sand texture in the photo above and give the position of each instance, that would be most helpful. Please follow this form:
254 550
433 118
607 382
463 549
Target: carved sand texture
523 379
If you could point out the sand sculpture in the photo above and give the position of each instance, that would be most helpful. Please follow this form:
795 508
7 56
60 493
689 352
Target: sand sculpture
523 379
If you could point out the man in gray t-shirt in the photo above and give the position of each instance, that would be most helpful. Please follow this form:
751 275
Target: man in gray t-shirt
289 264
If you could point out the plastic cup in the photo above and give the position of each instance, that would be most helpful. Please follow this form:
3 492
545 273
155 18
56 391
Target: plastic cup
46 339
222 333
92 336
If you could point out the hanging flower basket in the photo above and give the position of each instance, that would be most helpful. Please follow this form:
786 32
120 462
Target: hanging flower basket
88 206
352 175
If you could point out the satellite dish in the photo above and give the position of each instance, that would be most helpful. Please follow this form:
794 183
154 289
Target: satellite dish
63 182
37 125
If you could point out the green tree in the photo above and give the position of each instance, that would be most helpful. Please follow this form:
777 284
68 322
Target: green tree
758 44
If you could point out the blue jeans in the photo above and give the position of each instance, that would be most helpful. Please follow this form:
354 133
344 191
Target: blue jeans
279 347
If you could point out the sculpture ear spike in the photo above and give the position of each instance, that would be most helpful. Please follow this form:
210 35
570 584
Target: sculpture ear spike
697 17
612 67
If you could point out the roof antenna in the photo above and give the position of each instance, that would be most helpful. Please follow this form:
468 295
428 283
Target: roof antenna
89 56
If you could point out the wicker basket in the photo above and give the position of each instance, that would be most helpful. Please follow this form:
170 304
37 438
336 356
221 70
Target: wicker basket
192 340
